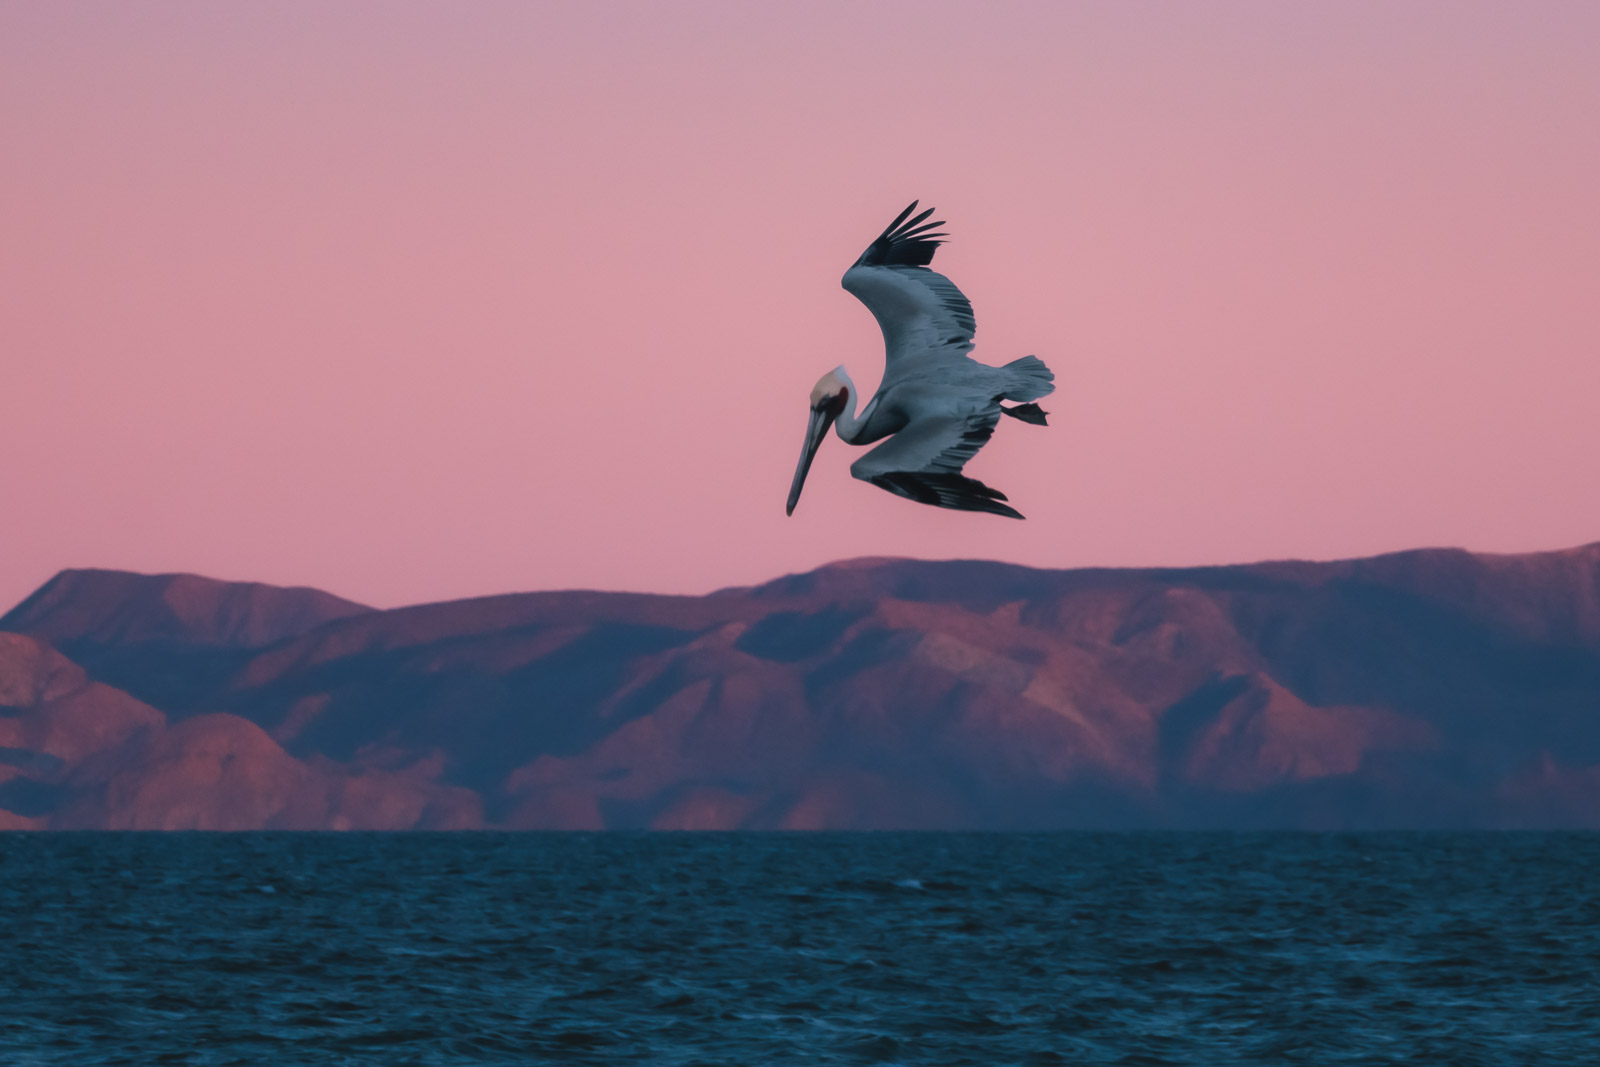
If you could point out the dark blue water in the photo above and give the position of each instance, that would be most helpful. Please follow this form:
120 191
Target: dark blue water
770 949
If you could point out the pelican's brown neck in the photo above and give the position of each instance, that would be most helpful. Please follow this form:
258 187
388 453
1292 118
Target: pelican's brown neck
850 424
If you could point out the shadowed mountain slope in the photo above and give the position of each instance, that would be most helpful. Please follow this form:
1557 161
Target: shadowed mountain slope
117 607
166 637
1427 688
79 754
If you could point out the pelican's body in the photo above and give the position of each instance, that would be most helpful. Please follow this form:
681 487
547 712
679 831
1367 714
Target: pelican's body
936 404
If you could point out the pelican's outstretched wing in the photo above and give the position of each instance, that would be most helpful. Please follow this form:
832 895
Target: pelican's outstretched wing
921 312
923 463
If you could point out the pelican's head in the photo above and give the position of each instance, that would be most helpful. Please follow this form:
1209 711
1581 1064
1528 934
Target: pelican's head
828 400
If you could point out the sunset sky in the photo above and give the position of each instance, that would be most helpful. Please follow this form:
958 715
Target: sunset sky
420 301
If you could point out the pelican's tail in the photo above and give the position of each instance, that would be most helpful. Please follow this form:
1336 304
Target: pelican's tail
1030 379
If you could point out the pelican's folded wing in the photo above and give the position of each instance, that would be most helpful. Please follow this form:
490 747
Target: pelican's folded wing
923 463
921 312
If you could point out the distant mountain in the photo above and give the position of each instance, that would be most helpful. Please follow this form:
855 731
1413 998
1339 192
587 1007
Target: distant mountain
119 608
78 754
1433 688
164 635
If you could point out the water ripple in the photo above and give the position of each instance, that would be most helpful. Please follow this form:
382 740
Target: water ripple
827 949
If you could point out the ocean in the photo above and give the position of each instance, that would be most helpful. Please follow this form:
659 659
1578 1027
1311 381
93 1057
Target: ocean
742 949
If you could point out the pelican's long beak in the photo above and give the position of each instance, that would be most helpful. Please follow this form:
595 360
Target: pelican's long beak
816 430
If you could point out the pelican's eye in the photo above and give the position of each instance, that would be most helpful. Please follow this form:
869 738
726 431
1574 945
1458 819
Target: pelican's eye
834 405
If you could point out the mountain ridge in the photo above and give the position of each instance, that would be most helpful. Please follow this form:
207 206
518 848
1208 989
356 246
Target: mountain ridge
1431 687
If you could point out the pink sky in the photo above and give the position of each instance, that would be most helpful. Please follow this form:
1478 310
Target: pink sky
412 302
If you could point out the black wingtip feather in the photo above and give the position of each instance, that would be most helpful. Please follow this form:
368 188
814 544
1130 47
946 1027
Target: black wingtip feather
898 219
904 244
1029 413
946 491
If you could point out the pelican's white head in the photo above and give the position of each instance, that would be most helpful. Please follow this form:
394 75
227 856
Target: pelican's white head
829 398
833 387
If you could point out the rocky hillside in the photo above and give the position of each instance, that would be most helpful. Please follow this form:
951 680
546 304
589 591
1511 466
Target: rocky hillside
1434 688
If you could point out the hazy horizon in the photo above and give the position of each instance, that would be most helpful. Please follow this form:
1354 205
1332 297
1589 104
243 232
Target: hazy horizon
842 561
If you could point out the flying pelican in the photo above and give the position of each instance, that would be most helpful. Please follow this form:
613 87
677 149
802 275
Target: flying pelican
940 404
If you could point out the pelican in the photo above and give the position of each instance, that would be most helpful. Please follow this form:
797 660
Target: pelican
939 403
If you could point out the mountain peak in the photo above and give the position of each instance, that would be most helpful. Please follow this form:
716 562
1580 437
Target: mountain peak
106 606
